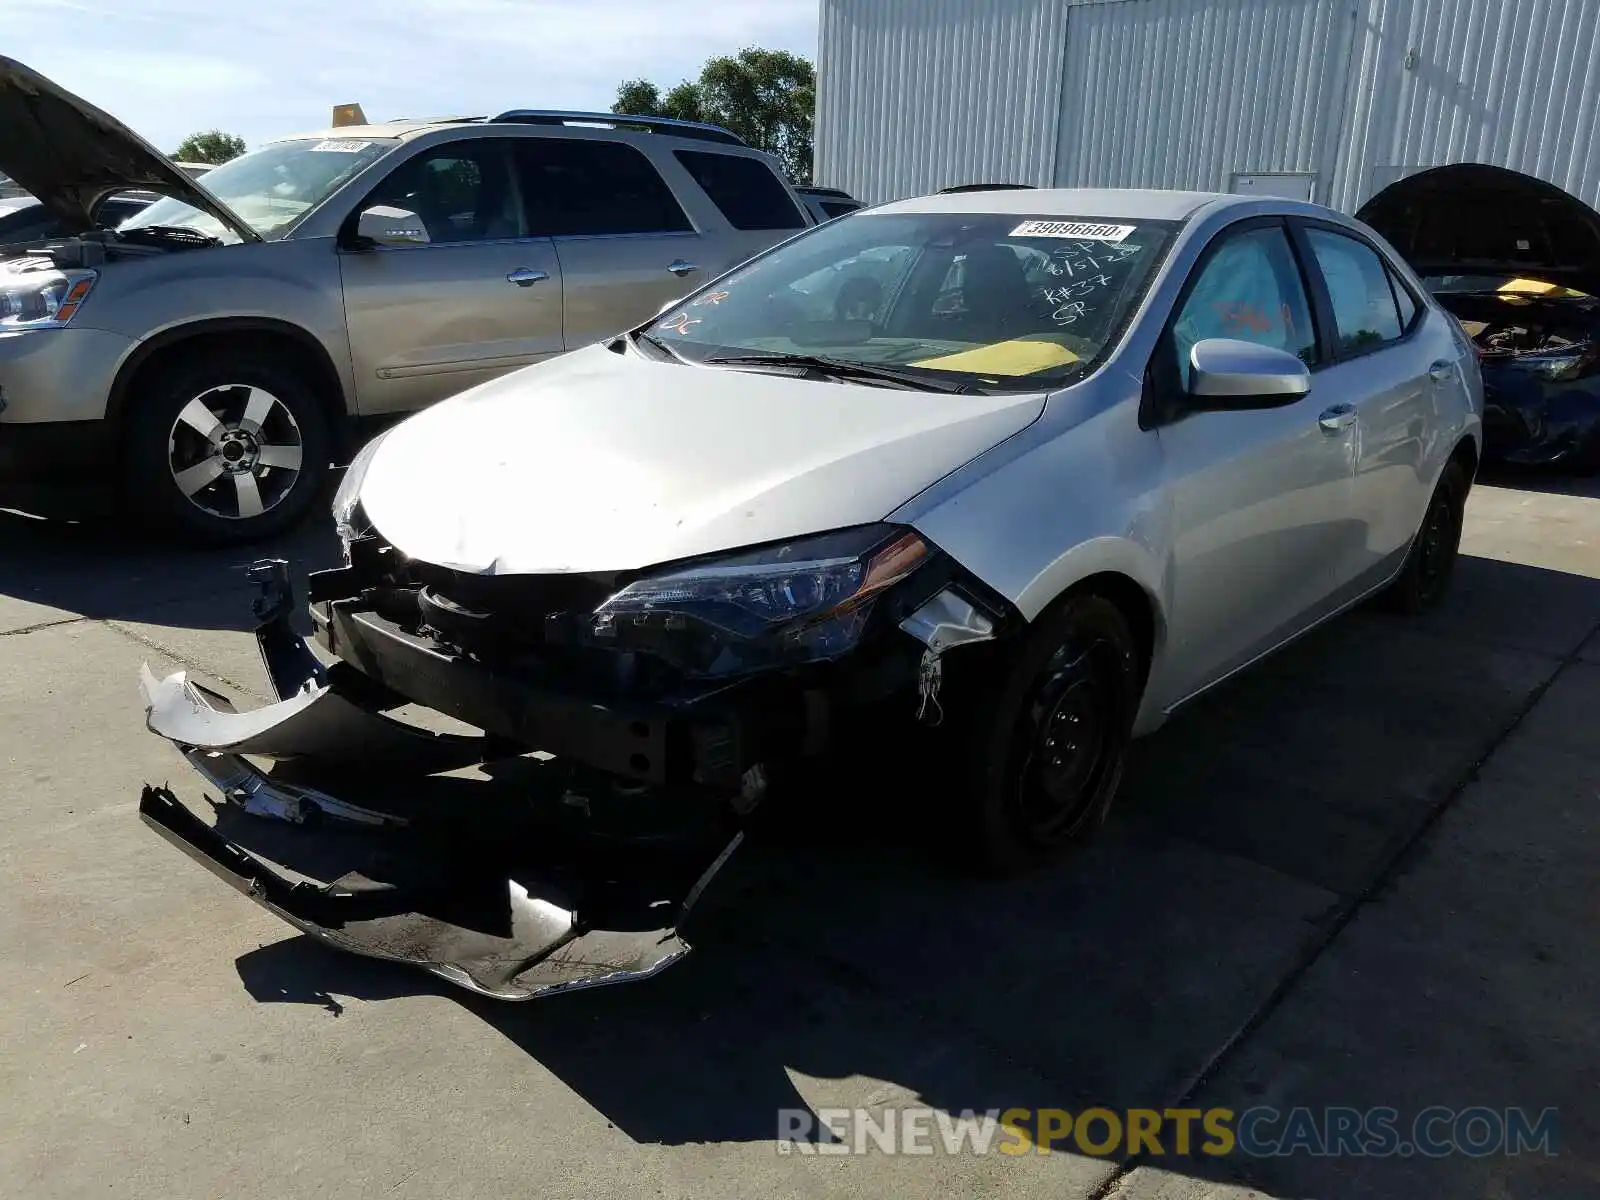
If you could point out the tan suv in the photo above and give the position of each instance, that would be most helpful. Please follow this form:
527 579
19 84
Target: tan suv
210 355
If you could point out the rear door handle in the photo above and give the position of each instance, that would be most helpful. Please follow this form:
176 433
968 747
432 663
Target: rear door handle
526 276
1338 418
680 268
1441 370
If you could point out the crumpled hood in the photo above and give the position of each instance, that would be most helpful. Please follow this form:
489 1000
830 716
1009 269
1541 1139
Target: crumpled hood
69 154
598 461
1476 219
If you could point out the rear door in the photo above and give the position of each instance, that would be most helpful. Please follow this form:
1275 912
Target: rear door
1260 499
625 244
1385 366
482 298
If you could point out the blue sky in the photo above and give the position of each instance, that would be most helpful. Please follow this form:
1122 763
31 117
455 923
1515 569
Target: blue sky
171 67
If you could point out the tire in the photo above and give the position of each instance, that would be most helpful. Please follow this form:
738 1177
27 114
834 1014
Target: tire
1072 691
1425 578
226 448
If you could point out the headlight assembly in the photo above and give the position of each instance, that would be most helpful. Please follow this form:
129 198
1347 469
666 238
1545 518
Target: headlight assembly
42 298
802 601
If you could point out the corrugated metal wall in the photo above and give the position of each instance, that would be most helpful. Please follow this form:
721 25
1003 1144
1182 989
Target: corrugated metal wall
915 96
1174 93
1515 83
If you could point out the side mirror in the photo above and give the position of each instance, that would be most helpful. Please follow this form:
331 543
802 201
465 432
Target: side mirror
381 225
1225 373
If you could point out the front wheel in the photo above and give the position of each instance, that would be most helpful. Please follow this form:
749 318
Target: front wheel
1049 747
225 450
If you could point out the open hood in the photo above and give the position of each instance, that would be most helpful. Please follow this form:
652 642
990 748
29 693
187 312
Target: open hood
70 155
598 461
1474 219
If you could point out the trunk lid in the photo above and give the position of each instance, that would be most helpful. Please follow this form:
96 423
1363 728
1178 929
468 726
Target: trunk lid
69 154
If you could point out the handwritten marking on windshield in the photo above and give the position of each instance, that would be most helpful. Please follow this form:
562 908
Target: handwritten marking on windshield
710 298
679 323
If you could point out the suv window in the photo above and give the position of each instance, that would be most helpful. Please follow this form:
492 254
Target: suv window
575 188
745 189
1364 312
1250 289
462 191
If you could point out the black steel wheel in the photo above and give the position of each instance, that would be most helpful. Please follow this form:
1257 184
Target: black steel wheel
1049 752
1425 578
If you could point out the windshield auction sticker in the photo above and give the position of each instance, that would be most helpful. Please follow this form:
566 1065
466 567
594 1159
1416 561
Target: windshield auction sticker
1087 231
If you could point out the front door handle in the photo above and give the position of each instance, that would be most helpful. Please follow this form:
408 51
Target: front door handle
526 276
1338 418
680 268
1441 370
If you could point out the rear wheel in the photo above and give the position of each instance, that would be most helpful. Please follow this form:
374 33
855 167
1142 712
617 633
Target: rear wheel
1049 746
1425 578
227 449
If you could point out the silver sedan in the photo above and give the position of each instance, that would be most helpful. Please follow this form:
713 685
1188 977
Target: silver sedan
1034 467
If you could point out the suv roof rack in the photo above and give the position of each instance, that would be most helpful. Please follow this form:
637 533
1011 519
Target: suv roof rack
986 187
669 125
809 189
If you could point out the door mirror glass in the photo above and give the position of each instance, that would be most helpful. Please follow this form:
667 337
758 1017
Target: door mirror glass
383 225
1228 373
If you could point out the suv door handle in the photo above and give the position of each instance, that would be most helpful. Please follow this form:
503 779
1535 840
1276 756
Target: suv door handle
1441 370
1338 418
526 276
680 268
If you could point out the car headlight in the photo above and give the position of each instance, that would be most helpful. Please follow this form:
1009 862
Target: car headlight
349 521
43 298
798 602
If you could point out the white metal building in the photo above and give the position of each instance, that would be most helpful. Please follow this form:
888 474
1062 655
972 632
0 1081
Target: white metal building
1330 100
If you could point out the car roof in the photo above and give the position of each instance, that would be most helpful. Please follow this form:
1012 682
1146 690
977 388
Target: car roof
1135 204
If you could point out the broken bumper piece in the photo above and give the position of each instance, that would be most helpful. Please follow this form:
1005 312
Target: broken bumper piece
512 932
525 879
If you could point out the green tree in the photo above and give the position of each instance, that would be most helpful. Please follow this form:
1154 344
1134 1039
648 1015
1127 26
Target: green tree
212 146
767 97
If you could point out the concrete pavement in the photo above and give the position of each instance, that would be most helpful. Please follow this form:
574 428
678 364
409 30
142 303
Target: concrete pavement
1358 876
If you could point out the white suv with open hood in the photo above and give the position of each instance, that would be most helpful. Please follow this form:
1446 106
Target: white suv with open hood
207 359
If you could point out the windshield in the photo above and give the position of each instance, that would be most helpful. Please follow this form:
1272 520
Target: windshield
269 188
1006 301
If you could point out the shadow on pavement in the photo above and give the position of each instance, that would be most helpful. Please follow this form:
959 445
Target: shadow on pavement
63 569
840 961
1541 479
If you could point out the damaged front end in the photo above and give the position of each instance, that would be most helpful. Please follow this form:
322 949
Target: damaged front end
617 745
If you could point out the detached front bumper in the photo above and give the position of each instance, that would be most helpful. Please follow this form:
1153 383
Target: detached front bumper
524 878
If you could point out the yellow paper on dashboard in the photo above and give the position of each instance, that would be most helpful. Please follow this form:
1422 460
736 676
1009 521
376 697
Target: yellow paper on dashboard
1020 356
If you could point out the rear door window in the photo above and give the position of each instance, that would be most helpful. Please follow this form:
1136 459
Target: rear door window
575 187
749 195
1404 301
1365 314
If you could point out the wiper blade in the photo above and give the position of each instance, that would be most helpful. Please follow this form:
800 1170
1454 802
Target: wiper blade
660 345
181 233
839 368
